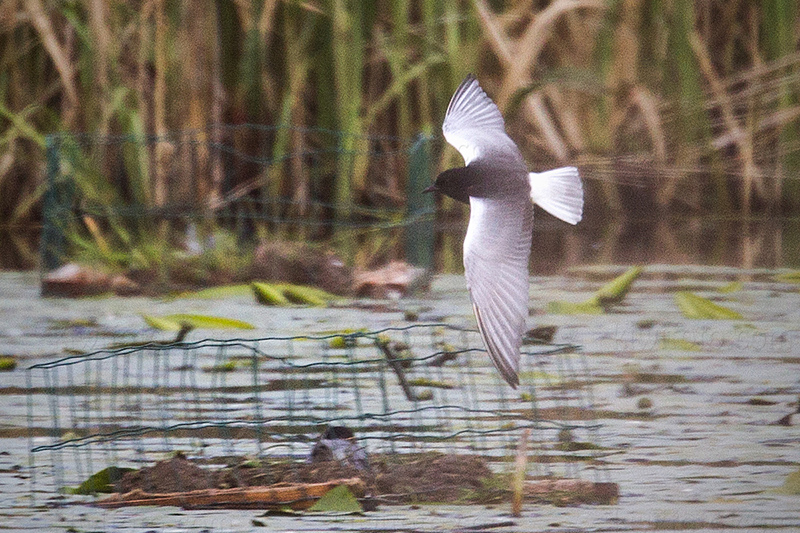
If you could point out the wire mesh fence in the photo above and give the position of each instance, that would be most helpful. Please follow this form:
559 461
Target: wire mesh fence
421 388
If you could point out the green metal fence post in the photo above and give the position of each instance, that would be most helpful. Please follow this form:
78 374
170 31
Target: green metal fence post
420 236
52 242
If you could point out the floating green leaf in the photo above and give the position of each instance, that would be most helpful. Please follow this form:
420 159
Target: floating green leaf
225 291
7 363
161 323
286 293
268 294
615 290
611 293
102 481
181 320
693 306
668 343
589 307
789 277
424 396
733 286
792 484
343 341
337 500
303 294
426 382
227 366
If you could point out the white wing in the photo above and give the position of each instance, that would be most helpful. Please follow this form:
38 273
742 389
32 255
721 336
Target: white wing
474 126
496 252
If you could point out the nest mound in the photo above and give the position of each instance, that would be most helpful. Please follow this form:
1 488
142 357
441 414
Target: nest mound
429 477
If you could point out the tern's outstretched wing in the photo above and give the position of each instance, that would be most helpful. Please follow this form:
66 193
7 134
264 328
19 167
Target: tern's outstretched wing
474 126
496 252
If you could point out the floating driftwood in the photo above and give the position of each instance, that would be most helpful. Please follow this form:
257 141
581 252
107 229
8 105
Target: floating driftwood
297 496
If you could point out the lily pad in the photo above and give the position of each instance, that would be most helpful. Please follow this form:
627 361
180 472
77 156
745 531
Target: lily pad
337 500
268 294
693 306
733 286
181 320
305 295
668 343
224 291
227 366
789 277
286 294
589 307
615 290
791 485
426 382
161 323
102 481
7 363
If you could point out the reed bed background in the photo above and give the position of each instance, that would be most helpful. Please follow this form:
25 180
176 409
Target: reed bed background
695 102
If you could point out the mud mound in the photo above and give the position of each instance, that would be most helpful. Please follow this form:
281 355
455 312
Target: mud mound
176 475
391 478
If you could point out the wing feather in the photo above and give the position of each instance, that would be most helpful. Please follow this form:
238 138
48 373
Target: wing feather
496 253
473 124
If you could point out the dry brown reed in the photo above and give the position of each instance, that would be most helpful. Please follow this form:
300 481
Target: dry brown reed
699 101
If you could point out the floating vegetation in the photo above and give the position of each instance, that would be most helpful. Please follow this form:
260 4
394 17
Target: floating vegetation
575 446
305 295
541 334
615 290
733 286
283 294
343 341
410 315
653 378
693 306
760 401
7 363
337 500
610 294
424 396
644 403
179 321
571 308
227 366
268 294
427 382
103 481
792 484
788 277
668 343
223 291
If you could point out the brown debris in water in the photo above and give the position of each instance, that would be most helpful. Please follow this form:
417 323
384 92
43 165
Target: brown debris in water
394 479
397 479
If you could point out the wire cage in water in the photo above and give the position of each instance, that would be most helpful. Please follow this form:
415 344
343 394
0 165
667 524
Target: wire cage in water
421 388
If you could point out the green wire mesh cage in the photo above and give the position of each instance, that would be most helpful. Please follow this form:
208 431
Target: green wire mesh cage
421 388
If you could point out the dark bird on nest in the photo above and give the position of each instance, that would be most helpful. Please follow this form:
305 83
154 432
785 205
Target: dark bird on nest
338 443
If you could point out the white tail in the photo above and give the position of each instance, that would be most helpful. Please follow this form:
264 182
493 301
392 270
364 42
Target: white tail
559 192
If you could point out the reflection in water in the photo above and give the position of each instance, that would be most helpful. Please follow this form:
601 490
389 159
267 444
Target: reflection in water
766 242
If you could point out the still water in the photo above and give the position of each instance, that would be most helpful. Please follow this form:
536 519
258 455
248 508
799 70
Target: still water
758 242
